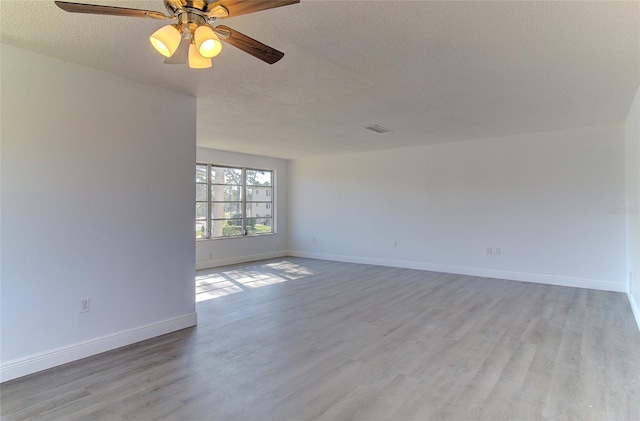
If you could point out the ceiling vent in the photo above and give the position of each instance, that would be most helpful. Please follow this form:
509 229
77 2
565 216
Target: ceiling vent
377 128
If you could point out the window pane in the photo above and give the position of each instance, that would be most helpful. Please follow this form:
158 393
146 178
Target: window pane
259 178
259 194
259 225
220 193
201 192
201 173
201 210
222 175
258 210
201 229
227 228
226 210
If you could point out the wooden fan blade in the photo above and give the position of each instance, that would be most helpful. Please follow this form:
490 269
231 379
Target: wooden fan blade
249 45
96 9
242 7
182 53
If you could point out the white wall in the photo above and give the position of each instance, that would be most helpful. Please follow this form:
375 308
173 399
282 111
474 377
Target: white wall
632 210
97 201
211 253
541 198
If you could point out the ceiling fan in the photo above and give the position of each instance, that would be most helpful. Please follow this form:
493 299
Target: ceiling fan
193 38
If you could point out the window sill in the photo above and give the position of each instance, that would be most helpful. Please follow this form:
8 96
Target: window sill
235 237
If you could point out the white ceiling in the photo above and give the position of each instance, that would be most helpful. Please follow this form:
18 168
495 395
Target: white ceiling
431 72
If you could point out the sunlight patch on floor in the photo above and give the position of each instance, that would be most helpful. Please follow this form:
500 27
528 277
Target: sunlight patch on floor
290 270
212 284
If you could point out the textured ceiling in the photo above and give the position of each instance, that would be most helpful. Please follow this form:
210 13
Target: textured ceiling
431 72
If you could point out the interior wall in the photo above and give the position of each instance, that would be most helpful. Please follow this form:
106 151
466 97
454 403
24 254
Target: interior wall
218 252
632 209
547 201
97 202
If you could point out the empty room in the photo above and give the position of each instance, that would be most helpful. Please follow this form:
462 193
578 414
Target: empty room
319 210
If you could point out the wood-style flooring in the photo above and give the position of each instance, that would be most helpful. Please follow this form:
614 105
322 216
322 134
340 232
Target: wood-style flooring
299 339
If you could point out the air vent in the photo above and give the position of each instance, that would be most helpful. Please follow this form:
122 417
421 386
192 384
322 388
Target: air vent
377 128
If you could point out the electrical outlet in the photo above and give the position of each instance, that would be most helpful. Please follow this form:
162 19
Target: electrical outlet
489 251
85 305
395 244
497 251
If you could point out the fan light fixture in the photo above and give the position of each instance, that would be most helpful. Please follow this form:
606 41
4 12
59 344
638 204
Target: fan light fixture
191 36
166 40
204 44
207 42
196 61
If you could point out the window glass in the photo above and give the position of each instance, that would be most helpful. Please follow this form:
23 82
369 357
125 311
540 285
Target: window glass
201 173
233 201
259 178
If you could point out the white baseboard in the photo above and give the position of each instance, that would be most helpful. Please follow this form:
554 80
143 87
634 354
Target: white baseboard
634 308
207 264
37 362
471 271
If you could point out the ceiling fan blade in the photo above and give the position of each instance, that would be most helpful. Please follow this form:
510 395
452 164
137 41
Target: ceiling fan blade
248 45
96 9
242 7
182 53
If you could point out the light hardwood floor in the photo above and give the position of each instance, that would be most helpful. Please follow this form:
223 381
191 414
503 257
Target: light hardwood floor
300 339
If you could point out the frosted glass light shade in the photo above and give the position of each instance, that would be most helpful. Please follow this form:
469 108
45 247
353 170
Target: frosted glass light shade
207 42
196 61
166 40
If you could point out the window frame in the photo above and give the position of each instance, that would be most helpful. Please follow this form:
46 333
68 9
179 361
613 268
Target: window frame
209 220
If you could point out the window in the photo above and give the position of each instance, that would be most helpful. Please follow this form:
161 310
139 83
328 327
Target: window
233 201
202 201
